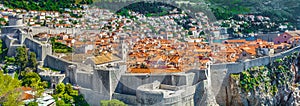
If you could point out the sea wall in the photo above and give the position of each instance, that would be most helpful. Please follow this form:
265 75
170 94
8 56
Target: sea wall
220 72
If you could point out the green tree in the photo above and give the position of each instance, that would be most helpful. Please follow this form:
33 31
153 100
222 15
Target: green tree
60 88
201 33
9 95
33 80
63 92
22 57
112 102
9 60
32 104
30 78
61 103
32 61
66 95
70 90
1 50
190 33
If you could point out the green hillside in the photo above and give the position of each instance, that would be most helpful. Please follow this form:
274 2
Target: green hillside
47 5
277 10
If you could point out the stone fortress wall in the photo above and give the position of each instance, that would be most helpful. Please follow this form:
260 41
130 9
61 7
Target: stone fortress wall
37 30
113 83
101 84
182 86
41 50
57 63
220 72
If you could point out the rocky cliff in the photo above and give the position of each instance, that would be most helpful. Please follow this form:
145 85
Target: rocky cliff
274 84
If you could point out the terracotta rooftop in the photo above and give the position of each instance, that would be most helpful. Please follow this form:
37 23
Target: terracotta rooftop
293 33
26 88
105 58
236 41
140 70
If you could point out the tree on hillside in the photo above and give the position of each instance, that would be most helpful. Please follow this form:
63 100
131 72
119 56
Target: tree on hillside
32 104
30 78
113 102
66 95
86 2
62 93
21 57
9 93
33 80
32 61
1 50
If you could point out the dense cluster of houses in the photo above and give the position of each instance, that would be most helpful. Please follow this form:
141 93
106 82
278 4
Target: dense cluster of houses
44 100
156 43
87 18
155 53
245 25
240 49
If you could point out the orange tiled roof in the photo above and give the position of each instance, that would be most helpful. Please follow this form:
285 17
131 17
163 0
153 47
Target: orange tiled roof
26 88
104 58
236 41
26 96
140 70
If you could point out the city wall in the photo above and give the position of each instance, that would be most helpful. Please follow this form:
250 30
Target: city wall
41 50
190 83
220 72
37 30
11 43
183 96
130 82
100 82
123 86
57 63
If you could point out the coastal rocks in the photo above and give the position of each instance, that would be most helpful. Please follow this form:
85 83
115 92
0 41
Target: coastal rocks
270 85
294 99
236 99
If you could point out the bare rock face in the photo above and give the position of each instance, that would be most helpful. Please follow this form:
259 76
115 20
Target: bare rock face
236 99
294 99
